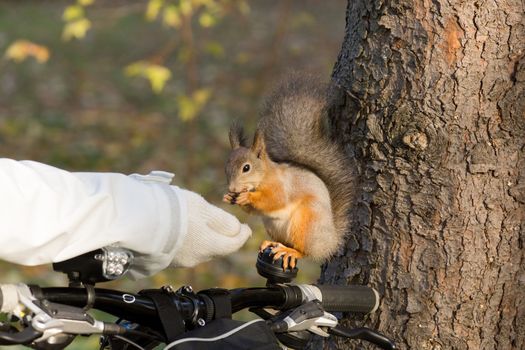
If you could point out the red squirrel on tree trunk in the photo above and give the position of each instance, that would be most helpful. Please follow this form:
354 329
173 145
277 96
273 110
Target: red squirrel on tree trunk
293 176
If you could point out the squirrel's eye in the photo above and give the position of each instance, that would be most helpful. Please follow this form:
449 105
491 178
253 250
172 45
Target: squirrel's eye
246 168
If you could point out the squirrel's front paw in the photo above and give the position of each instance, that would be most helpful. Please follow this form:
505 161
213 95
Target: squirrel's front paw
230 197
243 198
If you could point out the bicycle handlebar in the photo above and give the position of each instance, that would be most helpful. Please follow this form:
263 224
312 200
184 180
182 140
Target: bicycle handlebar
139 308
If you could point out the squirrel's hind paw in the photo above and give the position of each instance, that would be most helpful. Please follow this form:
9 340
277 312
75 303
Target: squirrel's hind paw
289 255
266 244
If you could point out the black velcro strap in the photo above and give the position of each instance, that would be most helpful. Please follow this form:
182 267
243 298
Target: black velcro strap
222 300
169 316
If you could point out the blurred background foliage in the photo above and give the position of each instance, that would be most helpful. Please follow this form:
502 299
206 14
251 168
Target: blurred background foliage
131 86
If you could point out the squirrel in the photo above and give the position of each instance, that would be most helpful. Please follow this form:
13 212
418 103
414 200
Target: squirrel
293 174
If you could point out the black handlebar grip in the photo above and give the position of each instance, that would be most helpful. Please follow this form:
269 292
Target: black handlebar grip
353 298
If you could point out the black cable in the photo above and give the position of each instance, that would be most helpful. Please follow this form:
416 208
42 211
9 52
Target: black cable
364 334
155 337
26 336
129 341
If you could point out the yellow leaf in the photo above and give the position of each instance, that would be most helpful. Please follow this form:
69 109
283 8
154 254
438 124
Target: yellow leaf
186 7
152 11
73 12
21 49
76 29
156 74
134 69
201 96
85 2
172 16
189 107
207 20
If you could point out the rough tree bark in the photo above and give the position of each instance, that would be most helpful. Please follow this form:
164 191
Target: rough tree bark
434 115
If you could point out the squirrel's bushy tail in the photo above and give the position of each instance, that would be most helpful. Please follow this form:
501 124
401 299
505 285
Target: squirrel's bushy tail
295 126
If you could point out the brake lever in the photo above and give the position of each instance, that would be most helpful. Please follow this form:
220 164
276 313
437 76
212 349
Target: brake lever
57 319
309 316
48 322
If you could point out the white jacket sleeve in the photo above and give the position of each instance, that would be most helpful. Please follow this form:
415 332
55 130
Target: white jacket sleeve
49 215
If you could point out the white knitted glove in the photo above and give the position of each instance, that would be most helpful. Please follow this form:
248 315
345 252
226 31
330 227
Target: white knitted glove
210 232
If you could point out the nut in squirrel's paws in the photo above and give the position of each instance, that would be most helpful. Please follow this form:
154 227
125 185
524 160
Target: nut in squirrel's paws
230 197
243 198
289 255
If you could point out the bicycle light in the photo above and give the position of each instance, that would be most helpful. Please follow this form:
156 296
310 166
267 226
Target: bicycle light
115 261
101 265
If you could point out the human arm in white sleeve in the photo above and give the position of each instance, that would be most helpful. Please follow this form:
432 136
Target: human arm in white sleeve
49 215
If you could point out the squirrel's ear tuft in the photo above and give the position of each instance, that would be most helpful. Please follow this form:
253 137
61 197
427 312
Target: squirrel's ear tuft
258 146
237 138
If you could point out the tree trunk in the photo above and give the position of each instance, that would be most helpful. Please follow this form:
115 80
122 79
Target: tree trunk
434 115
